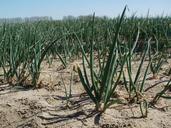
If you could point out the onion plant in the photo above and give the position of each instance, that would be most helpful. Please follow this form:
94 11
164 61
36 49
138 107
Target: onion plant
157 61
135 84
100 88
23 50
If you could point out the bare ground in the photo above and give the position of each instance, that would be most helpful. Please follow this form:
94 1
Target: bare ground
48 107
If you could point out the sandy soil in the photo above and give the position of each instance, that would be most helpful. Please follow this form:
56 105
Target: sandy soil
48 107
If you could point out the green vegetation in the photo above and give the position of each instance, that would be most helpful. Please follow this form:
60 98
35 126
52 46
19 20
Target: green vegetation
112 44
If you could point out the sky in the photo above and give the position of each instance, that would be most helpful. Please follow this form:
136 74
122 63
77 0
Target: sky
59 8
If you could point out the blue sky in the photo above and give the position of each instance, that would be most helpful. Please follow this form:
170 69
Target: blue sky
59 8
